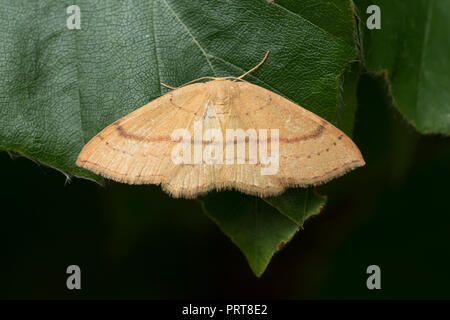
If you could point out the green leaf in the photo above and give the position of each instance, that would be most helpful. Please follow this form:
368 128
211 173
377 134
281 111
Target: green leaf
412 49
298 204
60 87
257 228
344 118
333 16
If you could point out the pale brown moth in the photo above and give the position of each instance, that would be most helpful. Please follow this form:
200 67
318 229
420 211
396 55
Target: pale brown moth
137 149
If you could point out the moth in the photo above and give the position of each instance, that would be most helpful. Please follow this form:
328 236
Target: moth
225 133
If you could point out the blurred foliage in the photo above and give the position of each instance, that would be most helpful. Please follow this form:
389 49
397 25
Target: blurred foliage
412 49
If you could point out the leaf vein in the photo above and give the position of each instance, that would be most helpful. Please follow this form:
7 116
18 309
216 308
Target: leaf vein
158 71
192 36
78 73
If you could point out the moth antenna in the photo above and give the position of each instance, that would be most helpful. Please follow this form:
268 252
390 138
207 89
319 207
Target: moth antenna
167 86
238 78
192 81
255 67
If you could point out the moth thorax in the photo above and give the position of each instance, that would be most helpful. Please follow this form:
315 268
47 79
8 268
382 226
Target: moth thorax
222 93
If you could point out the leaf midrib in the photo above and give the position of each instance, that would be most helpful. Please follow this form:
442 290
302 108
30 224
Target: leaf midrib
191 35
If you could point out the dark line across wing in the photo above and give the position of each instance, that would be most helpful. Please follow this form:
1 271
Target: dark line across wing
316 133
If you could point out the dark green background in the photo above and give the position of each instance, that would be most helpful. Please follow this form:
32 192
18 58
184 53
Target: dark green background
136 242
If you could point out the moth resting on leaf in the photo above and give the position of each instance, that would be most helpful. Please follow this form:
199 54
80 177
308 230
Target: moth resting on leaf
149 146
